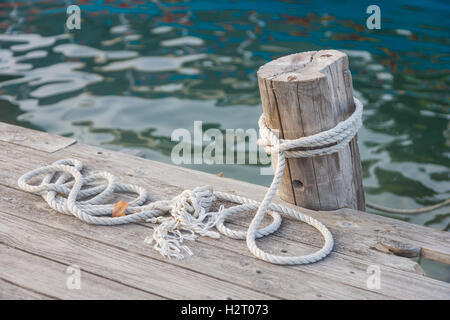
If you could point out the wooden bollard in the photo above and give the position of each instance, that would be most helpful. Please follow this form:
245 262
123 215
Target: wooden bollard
303 94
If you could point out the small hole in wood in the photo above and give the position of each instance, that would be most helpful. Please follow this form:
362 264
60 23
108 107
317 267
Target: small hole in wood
297 184
284 250
258 271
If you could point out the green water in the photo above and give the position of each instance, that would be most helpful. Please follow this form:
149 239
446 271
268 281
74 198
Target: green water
137 71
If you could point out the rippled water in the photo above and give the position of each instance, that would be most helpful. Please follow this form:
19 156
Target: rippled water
136 71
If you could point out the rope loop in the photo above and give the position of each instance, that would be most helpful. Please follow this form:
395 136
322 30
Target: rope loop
323 143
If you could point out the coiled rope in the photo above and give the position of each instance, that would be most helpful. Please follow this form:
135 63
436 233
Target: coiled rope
66 190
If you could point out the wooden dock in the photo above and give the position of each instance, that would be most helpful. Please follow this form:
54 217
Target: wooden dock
38 244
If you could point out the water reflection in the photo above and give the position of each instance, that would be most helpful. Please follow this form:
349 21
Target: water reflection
54 80
30 41
153 64
71 50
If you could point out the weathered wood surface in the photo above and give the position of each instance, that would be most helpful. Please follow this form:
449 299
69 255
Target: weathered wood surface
303 94
38 244
39 140
10 291
31 267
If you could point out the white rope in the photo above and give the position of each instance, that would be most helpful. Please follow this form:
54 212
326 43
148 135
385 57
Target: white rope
66 190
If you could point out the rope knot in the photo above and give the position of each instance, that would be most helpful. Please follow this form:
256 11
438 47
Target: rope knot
189 215
193 202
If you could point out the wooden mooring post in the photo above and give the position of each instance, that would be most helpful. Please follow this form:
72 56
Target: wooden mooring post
303 94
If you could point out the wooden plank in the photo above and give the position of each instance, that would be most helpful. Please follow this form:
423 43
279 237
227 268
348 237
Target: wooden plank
33 139
49 278
351 271
225 258
10 291
114 263
434 244
354 234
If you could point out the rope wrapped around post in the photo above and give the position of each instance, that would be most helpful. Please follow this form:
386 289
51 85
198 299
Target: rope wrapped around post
68 191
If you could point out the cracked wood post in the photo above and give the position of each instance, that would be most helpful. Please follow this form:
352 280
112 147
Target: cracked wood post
303 94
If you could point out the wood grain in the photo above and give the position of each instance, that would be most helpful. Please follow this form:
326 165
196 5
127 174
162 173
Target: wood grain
11 291
33 139
50 278
115 263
